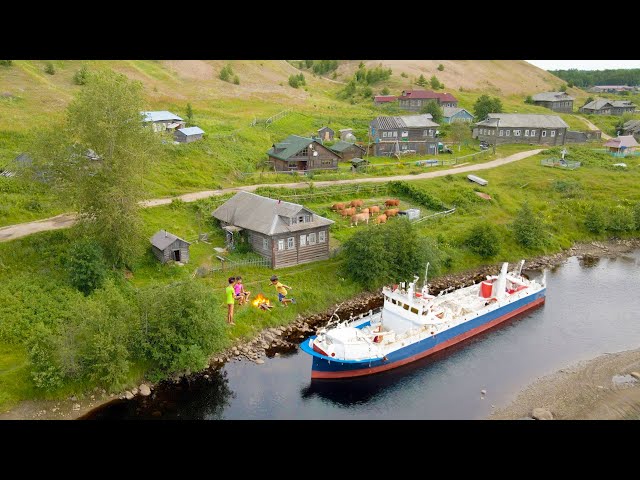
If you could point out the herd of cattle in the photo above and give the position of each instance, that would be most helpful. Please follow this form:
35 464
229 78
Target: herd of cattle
357 212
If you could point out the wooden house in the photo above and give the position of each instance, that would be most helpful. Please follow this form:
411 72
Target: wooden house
382 99
632 127
456 114
608 107
622 145
521 128
405 133
416 99
166 246
556 101
301 154
347 150
163 120
286 233
188 135
326 134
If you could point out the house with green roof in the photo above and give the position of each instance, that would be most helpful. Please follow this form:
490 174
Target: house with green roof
347 150
301 154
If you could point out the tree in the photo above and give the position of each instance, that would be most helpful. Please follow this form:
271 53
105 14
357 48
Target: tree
563 88
226 73
81 76
485 105
50 68
189 115
441 67
96 160
483 239
433 108
596 219
528 228
435 83
6 63
421 81
570 84
85 265
385 91
460 132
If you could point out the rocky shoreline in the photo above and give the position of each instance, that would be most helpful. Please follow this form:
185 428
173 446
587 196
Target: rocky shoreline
273 341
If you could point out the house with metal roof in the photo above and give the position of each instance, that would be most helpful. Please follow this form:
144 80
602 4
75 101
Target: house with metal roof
381 99
189 134
556 101
326 134
301 154
416 99
403 134
285 233
167 246
622 145
347 150
608 107
456 114
521 128
163 120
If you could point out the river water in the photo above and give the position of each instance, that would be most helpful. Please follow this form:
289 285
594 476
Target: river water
591 308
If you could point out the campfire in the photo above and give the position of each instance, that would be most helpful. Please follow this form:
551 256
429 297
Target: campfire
262 302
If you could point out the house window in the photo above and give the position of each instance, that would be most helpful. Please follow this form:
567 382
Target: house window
431 132
425 133
526 133
307 218
304 152
265 244
560 133
301 219
322 236
501 133
327 162
516 133
508 133
544 133
281 244
395 134
405 133
553 133
384 134
303 240
533 133
291 243
312 239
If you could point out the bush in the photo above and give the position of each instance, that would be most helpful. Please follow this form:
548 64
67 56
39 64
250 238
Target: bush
420 196
621 219
529 99
441 67
86 266
45 370
595 220
296 80
385 91
636 215
226 73
404 75
483 239
528 228
50 69
236 80
81 76
6 63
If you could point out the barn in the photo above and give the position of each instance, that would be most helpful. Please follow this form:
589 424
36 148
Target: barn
187 135
167 246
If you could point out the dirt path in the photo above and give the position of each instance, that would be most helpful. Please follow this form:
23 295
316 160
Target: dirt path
12 232
593 127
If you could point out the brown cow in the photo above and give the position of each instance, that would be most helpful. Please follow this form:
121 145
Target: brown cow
347 212
357 203
392 202
391 212
337 206
359 217
374 209
365 210
381 219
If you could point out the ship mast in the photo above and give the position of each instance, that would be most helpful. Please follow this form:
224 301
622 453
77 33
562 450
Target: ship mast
425 289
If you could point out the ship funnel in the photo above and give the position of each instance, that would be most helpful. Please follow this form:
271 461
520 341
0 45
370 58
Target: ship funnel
500 285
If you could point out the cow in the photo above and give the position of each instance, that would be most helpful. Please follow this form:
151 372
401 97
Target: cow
392 202
337 206
391 212
347 212
357 203
381 219
365 210
374 209
359 217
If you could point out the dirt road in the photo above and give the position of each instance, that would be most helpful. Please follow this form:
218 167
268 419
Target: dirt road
12 232
593 127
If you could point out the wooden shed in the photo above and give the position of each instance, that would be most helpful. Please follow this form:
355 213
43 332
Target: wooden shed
285 233
347 150
326 134
166 246
187 135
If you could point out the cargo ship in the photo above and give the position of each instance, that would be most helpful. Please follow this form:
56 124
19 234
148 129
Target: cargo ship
413 324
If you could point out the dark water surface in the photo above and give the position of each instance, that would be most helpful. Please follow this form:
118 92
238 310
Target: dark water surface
591 308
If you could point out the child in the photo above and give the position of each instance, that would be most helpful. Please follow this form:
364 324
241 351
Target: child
282 291
240 293
230 292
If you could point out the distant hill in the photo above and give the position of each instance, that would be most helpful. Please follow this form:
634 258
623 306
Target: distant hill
589 78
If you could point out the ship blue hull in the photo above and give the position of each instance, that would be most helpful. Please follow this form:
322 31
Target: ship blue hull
327 367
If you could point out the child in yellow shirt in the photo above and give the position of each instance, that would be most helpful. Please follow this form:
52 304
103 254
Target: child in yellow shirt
282 291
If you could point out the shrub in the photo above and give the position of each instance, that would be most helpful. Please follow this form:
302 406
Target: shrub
529 99
236 80
595 220
621 219
50 69
86 266
226 73
636 215
6 63
483 239
528 228
81 76
441 67
385 91
420 196
45 370
404 75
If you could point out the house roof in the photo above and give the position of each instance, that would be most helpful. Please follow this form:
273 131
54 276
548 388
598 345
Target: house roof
325 128
264 215
159 116
622 141
341 146
597 104
622 103
358 161
384 98
346 130
191 131
290 146
530 120
443 97
552 97
163 239
451 111
632 126
446 97
405 121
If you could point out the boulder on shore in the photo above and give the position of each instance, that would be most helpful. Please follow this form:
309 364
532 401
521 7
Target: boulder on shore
541 414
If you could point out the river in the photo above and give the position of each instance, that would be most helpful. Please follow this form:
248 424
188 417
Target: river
591 309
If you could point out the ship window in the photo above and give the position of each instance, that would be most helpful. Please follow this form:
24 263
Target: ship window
414 310
406 307
393 300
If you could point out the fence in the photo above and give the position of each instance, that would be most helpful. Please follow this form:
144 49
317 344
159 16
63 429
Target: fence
443 213
227 264
371 189
270 120
558 162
